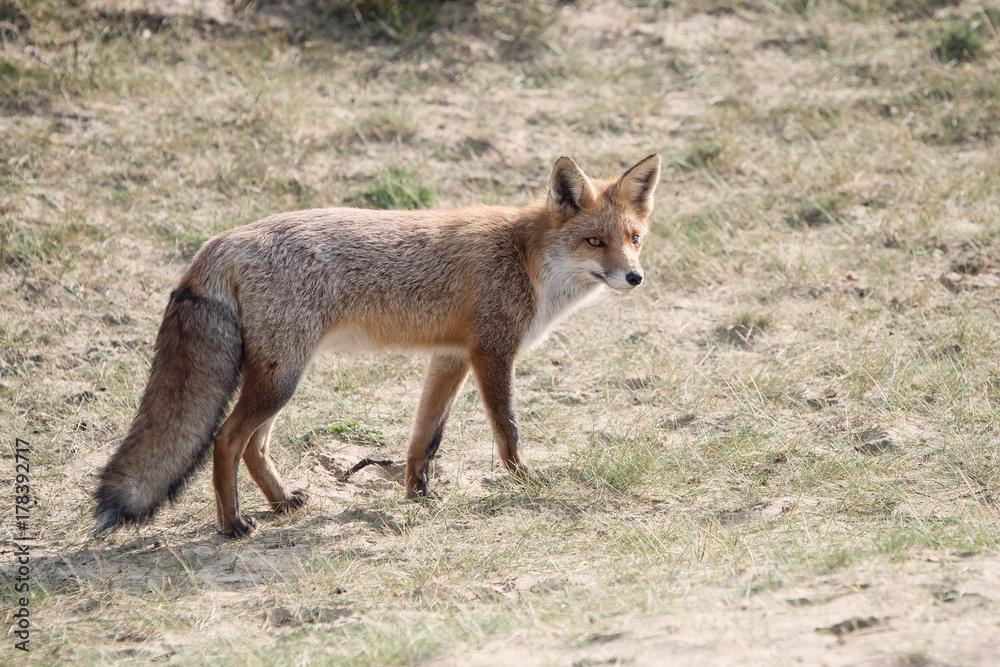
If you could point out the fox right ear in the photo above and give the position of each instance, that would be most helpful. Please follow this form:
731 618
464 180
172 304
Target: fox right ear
569 188
639 183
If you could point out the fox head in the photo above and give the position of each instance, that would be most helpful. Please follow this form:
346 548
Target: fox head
599 226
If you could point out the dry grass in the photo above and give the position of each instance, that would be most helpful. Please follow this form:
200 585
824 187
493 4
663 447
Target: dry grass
793 425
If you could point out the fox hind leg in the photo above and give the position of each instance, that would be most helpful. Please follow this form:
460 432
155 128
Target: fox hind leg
263 395
257 457
445 377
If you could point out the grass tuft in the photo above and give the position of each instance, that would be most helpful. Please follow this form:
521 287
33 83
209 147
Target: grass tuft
397 189
816 211
383 126
704 154
349 430
961 41
400 21
745 330
620 464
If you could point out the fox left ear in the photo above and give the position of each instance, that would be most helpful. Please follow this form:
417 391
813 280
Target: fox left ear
569 188
638 184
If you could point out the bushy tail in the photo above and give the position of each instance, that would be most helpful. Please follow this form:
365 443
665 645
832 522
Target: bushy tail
196 369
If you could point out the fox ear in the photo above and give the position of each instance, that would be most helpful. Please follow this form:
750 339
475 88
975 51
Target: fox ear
569 188
638 184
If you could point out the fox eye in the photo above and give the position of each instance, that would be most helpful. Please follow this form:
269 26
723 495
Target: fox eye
596 242
635 239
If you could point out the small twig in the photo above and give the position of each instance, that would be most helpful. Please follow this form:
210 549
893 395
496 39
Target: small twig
38 55
364 463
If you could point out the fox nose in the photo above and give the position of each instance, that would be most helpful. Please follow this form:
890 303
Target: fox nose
633 278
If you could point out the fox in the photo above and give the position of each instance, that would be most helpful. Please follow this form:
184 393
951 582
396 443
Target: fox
473 287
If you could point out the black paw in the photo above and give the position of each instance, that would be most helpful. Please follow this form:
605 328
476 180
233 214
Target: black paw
243 526
423 494
294 501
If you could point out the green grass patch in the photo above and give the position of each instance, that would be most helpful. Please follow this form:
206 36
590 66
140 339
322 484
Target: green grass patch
620 464
349 430
961 41
397 189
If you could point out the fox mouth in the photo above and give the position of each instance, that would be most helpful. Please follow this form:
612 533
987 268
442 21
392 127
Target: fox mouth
603 279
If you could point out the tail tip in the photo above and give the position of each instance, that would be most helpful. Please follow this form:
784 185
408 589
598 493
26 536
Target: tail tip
108 518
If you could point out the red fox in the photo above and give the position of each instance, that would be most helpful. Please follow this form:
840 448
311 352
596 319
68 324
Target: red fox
474 286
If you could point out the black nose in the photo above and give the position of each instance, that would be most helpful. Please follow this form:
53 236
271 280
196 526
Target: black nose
633 278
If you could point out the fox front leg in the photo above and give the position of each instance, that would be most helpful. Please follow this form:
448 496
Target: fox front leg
495 373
